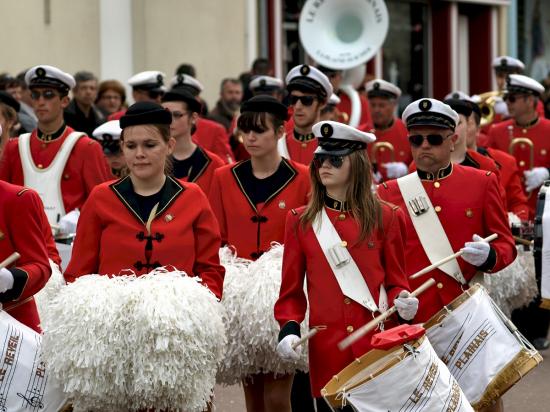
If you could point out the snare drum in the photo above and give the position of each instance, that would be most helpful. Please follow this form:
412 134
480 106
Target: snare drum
481 347
406 377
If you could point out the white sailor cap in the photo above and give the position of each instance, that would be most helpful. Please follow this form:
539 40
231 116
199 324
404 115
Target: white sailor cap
308 79
151 80
430 112
184 81
518 83
458 95
49 76
108 131
265 84
334 100
382 88
339 139
507 64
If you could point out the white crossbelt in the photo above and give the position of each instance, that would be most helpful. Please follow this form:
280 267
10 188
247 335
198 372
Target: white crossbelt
426 223
283 148
347 273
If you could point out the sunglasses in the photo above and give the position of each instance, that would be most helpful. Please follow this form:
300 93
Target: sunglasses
178 115
433 139
46 94
335 161
513 97
306 100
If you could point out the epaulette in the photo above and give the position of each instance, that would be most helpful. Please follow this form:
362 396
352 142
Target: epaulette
488 173
385 202
385 185
293 211
91 142
22 191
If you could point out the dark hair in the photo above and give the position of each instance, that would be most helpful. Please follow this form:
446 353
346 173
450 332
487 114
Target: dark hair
229 80
261 66
111 85
84 76
258 121
186 68
21 78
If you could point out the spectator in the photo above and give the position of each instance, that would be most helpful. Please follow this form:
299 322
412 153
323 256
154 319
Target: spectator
227 107
81 114
111 97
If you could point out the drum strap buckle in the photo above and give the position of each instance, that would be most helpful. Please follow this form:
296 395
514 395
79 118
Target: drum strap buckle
418 205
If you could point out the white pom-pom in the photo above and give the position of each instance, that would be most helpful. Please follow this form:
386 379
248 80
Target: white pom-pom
50 290
127 343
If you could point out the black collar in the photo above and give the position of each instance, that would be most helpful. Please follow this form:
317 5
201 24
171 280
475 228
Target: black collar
470 162
50 137
304 138
124 189
441 173
388 126
334 204
529 124
195 165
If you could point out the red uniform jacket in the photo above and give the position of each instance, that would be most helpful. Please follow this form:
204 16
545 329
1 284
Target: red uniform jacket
204 176
213 136
248 227
111 237
396 135
516 201
380 258
300 147
85 168
22 220
345 107
500 136
467 202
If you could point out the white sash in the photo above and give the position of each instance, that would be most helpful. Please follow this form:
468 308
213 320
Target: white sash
427 225
545 261
349 277
47 181
283 148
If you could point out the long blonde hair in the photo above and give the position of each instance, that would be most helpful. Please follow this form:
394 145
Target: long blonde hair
364 204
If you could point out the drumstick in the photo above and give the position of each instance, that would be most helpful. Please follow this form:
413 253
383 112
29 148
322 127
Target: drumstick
363 330
9 260
305 338
523 241
447 259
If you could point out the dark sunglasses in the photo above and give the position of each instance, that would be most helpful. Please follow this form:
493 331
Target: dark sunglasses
306 100
335 161
433 139
46 94
513 97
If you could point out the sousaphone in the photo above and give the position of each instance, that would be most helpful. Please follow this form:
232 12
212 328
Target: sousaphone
344 35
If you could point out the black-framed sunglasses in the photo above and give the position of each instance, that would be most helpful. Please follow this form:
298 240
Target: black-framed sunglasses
335 161
306 100
46 94
513 97
433 139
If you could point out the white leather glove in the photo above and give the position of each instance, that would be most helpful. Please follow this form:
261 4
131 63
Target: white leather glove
535 177
476 252
501 107
396 169
285 351
67 224
377 177
6 280
406 305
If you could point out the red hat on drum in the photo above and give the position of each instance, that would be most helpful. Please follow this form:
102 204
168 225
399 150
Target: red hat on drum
309 79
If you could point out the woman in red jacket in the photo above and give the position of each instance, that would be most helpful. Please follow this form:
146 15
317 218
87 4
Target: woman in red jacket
250 200
344 227
147 219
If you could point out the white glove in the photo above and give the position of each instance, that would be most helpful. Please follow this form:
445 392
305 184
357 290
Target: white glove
406 305
396 169
67 224
6 280
377 177
535 177
285 351
476 252
501 107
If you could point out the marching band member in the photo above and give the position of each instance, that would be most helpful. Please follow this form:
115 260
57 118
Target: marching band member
147 219
267 85
533 159
450 217
390 163
209 134
189 161
250 200
9 107
108 135
62 165
309 90
330 111
343 222
22 222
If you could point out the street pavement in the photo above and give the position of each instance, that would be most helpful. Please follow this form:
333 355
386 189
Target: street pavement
531 394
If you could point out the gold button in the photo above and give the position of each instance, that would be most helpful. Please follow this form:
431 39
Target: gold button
43 145
40 166
543 152
401 153
304 144
438 209
437 184
524 131
382 149
522 145
65 176
342 217
347 301
440 285
522 163
344 243
349 329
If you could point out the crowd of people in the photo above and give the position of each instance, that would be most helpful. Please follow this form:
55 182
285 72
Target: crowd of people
169 182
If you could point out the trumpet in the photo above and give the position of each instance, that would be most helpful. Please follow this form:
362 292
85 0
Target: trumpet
487 106
381 147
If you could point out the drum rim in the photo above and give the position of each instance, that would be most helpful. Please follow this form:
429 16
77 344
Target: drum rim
455 303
